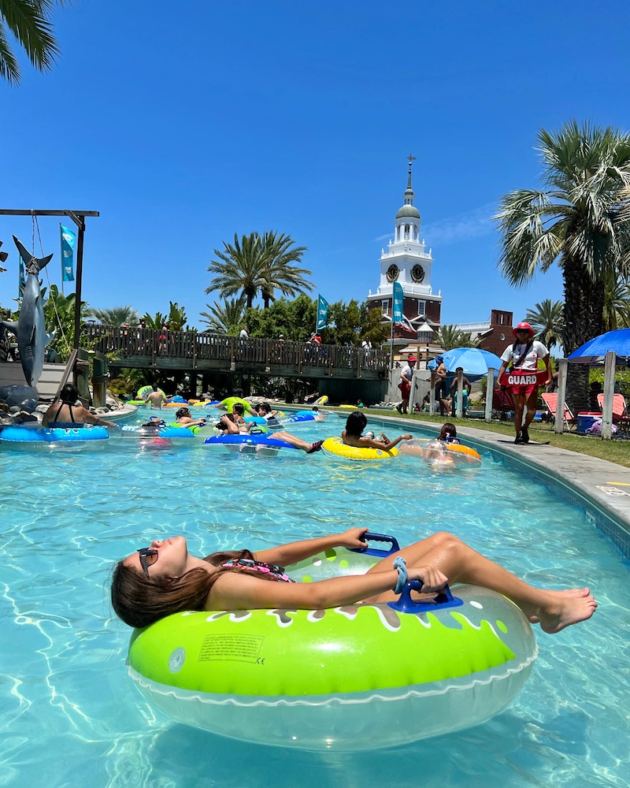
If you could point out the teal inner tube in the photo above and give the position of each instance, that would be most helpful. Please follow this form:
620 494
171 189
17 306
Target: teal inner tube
53 435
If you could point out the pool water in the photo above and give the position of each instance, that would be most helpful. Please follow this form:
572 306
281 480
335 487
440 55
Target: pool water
70 715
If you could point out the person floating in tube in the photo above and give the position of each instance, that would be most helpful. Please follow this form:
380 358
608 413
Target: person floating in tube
523 357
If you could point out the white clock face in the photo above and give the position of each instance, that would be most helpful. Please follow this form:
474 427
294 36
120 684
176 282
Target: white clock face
417 273
392 273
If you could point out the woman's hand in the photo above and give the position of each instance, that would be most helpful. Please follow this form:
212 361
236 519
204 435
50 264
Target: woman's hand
352 538
432 579
405 437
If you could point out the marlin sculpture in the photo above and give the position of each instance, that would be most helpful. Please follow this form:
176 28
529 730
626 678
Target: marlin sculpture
30 328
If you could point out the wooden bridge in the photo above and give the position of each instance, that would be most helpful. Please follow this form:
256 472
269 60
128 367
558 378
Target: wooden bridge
142 348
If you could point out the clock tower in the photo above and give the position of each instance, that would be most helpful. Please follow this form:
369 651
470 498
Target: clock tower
406 261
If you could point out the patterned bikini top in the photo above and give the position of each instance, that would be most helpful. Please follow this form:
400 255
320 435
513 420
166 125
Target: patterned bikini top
270 571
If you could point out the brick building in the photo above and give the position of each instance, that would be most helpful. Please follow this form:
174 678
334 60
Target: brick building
495 334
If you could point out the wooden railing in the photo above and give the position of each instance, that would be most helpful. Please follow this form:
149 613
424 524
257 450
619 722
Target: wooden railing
152 345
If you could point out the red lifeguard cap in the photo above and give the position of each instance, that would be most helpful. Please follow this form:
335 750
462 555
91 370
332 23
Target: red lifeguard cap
524 327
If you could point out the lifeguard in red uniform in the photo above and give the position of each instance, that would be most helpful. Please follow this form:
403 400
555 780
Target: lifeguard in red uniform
524 377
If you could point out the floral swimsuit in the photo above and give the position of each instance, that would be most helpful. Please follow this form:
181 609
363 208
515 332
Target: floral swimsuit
271 571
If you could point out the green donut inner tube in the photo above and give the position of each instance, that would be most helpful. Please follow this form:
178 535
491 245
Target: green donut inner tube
355 677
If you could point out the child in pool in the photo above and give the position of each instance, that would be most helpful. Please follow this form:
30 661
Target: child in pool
448 433
353 435
437 457
164 578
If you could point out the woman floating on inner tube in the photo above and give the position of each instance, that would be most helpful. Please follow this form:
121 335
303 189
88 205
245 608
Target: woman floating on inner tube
353 435
65 413
164 578
234 424
524 378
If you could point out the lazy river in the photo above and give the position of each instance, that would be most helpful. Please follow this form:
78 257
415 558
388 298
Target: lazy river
69 714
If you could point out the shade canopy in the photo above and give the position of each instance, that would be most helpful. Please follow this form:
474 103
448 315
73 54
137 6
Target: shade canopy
594 351
473 360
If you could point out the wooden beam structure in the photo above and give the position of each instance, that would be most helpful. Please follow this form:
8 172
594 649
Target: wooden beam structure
78 217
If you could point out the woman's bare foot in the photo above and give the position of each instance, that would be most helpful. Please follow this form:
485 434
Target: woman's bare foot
561 612
572 593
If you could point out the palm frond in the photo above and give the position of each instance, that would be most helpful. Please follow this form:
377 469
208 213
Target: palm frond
9 66
29 21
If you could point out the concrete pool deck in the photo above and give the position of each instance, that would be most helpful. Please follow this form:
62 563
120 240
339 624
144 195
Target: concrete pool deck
602 487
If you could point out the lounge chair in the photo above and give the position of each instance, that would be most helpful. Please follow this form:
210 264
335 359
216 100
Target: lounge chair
621 417
551 403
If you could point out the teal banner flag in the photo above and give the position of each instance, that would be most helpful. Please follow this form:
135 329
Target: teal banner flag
68 239
322 313
21 277
397 310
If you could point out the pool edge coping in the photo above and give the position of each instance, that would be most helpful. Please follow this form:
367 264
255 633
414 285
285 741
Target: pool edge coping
581 475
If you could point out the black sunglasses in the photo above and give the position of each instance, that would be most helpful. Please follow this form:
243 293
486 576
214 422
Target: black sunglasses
148 557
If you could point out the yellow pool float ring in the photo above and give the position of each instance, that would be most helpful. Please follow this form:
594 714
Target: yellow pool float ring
348 407
337 446
322 400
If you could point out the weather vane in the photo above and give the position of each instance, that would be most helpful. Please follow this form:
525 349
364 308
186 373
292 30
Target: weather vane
411 159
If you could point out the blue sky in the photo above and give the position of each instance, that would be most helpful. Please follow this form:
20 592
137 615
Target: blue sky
185 123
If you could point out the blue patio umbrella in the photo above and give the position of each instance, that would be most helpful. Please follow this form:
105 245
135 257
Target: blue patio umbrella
594 351
474 361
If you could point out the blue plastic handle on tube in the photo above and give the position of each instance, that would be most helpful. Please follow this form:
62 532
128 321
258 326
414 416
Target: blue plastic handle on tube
368 536
441 601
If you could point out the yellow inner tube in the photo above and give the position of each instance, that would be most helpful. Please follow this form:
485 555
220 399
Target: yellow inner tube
337 446
348 407
322 400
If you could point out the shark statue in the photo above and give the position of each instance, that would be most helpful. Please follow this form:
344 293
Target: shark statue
30 328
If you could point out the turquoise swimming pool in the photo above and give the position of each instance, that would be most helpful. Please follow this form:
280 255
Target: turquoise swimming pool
69 714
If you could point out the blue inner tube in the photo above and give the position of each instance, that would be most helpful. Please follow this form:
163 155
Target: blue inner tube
310 413
213 403
255 420
53 435
248 440
298 418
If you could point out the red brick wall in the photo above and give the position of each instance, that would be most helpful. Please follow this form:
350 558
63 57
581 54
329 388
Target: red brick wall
494 344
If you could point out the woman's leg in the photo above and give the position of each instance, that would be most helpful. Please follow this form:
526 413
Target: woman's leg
532 400
230 427
461 564
519 404
293 440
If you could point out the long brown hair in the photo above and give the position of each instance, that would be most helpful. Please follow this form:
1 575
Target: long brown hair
140 600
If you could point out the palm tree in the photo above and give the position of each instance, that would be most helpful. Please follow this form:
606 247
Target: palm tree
279 273
579 223
616 302
547 320
155 321
29 22
450 336
256 264
117 316
226 318
176 317
239 269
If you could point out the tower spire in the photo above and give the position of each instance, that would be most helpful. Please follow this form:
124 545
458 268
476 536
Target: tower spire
411 160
